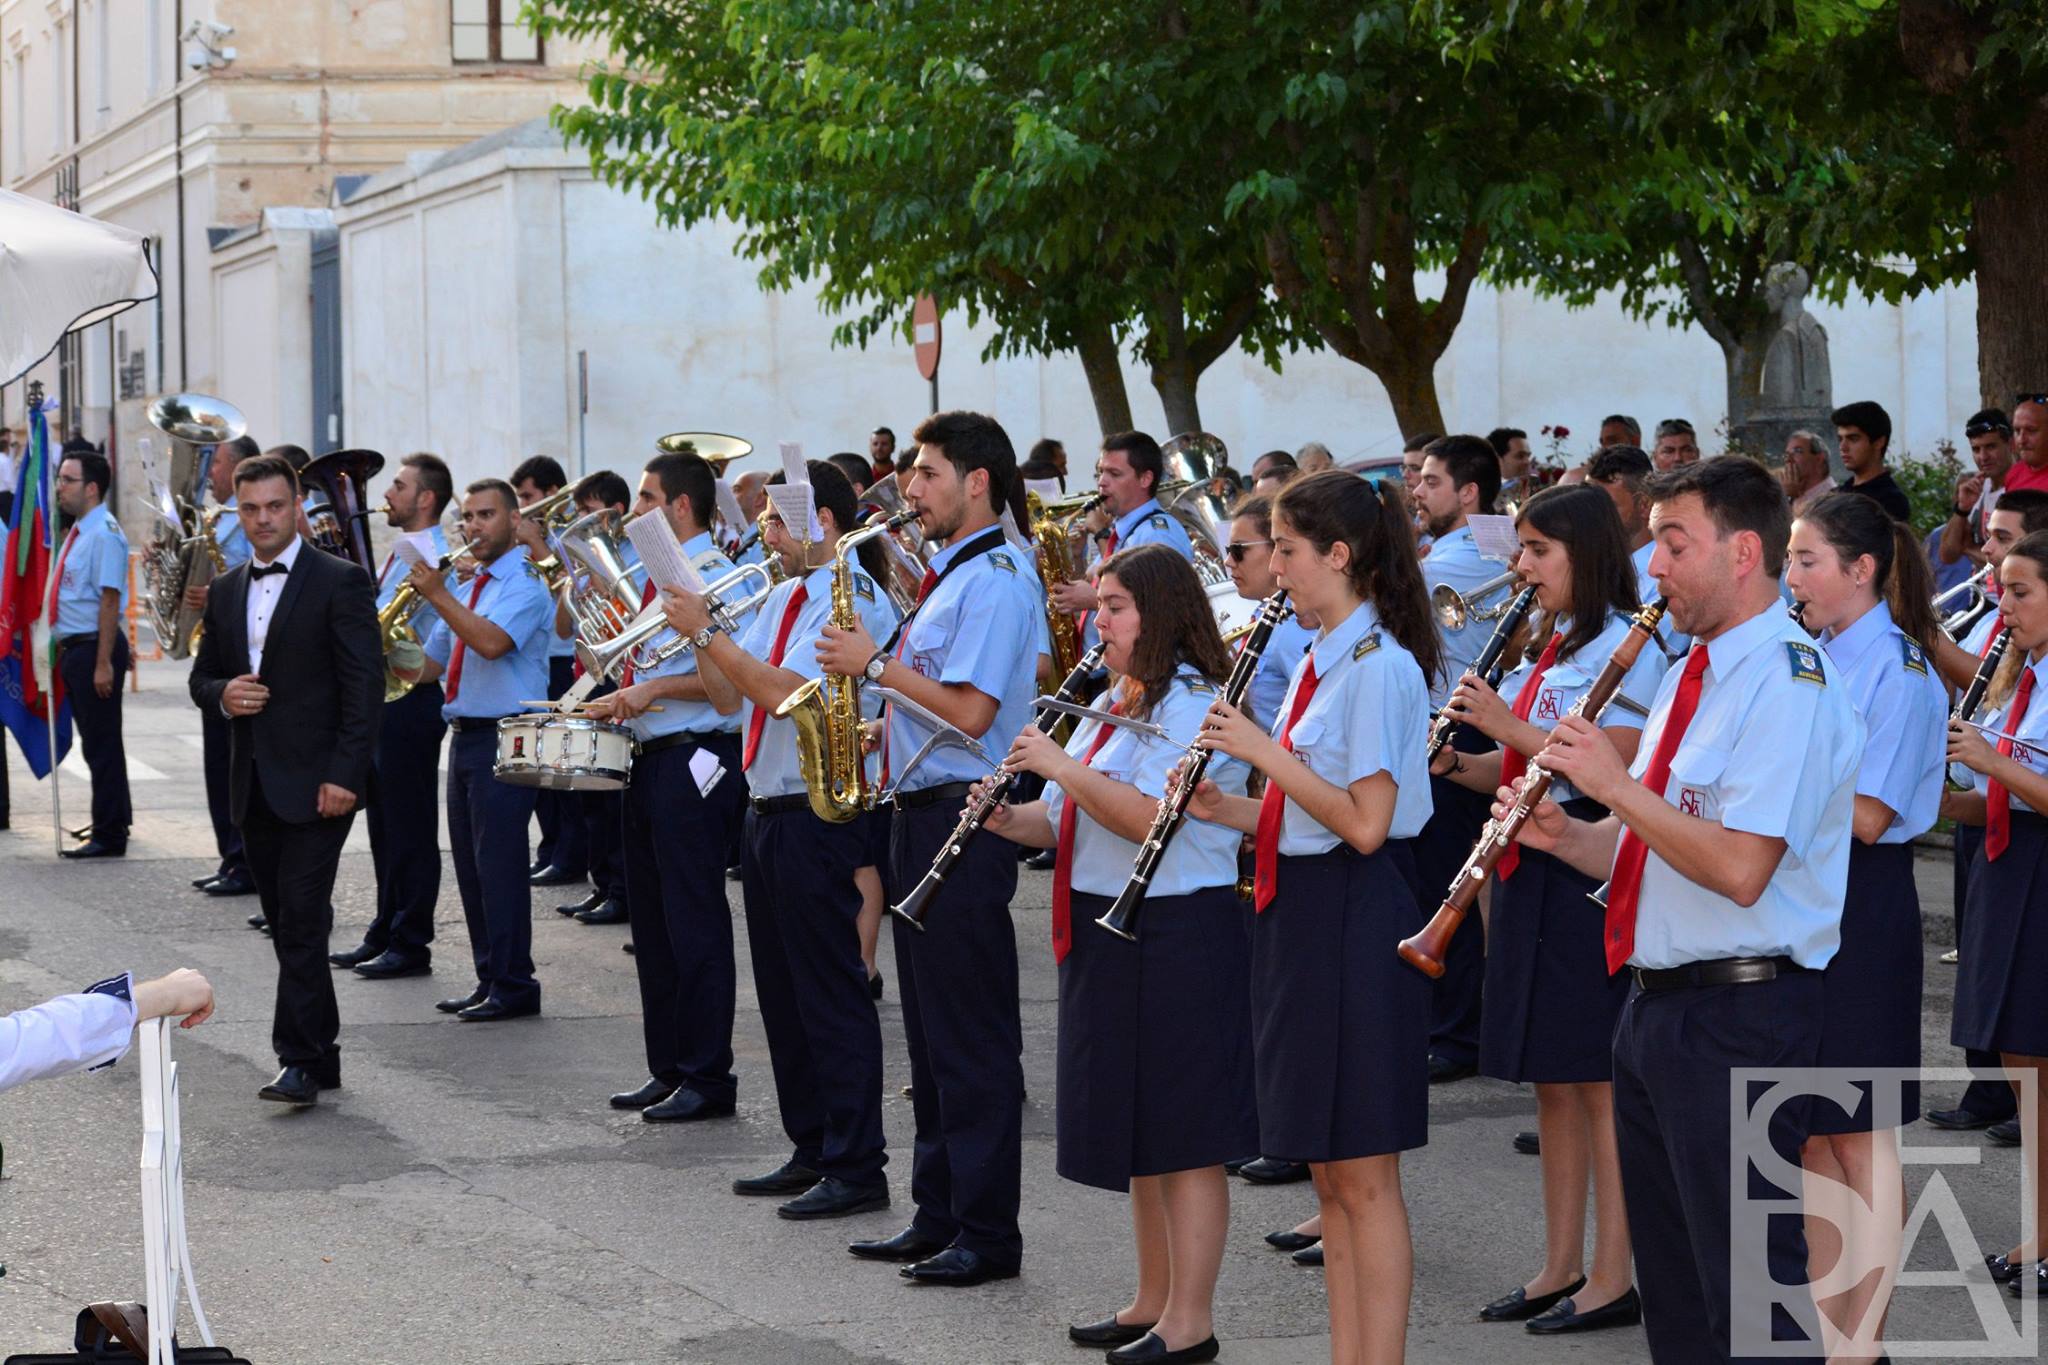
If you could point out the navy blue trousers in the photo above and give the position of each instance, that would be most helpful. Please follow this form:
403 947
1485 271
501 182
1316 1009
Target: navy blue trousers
1992 1098
487 822
564 838
405 833
99 735
682 927
824 1036
958 984
1440 850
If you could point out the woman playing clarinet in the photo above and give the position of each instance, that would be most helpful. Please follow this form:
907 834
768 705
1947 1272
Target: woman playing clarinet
1340 1027
1550 1003
1155 1067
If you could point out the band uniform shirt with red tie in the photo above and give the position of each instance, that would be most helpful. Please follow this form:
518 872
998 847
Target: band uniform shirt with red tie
2033 729
515 600
1146 524
1568 680
1772 749
394 572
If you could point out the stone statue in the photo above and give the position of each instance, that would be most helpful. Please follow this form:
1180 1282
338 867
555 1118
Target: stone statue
1795 386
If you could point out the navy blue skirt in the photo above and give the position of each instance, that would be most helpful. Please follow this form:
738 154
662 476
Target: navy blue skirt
1872 988
1155 1045
2000 1005
1551 1005
1340 1025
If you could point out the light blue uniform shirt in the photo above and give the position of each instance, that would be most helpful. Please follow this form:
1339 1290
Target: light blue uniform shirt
696 717
1284 651
1978 638
1773 750
1369 714
1201 854
1905 719
395 572
977 627
1571 678
1676 643
559 646
1454 561
517 602
229 535
775 770
70 1033
96 559
2033 728
1146 524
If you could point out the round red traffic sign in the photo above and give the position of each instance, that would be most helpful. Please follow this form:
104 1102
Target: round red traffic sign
924 324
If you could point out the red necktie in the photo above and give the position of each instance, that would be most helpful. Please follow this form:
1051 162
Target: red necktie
70 539
1512 763
626 678
754 726
1266 844
924 590
457 654
1998 801
1108 549
1063 869
1632 853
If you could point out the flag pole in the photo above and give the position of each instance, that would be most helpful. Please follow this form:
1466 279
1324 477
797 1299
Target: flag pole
35 407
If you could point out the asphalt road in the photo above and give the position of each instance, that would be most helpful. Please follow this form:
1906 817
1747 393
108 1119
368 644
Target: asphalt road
469 1198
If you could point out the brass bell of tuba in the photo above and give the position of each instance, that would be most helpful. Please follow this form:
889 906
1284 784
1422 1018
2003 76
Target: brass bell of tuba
182 553
337 490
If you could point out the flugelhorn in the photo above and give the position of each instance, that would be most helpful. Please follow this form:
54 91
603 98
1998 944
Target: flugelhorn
1455 610
609 657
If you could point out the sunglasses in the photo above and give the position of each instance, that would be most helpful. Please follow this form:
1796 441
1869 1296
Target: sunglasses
1238 549
2041 398
1976 429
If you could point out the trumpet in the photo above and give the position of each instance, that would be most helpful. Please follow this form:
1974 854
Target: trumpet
1455 610
609 657
1980 604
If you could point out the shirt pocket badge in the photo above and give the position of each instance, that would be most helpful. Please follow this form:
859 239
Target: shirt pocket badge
1306 740
1695 773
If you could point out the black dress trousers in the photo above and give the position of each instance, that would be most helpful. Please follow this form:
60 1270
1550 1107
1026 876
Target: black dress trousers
294 865
405 824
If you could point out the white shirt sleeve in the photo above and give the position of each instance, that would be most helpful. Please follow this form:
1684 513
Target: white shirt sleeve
69 1033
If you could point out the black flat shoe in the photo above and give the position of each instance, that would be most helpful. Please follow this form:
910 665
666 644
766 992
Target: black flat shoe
1150 1350
388 965
1312 1256
93 848
1528 1144
1442 1069
875 986
610 910
957 1268
199 883
627 948
1041 860
2005 1272
1273 1171
1520 1304
294 1086
1108 1332
2005 1134
1626 1311
686 1106
1959 1120
553 875
457 1004
835 1198
490 1010
256 921
574 908
237 883
1237 1163
788 1178
362 952
654 1092
1290 1240
907 1245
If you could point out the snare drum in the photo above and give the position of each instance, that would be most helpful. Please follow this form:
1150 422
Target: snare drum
573 753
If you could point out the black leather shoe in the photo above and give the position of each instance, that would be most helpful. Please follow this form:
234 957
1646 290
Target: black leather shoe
256 921
1237 1163
907 1245
2004 1271
1442 1069
1308 1255
1522 1304
391 963
788 1178
1958 1120
361 953
611 910
589 902
875 986
490 1010
1528 1143
686 1106
1150 1350
1108 1332
1041 860
957 1268
627 948
835 1198
1290 1240
654 1092
199 883
1273 1171
236 883
553 875
458 1003
2006 1134
1625 1311
294 1086
93 848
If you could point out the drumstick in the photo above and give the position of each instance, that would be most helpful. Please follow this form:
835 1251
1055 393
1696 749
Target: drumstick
579 706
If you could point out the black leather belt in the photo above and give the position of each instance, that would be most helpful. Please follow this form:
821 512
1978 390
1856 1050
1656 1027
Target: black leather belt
66 641
927 796
681 737
779 805
464 724
1722 971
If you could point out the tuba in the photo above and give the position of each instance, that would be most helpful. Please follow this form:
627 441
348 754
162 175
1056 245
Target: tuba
1191 462
1059 561
183 552
600 592
337 487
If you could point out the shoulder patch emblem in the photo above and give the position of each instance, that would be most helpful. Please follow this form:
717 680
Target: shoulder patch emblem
864 586
1366 645
531 571
1002 560
1805 662
1157 521
1201 687
1915 657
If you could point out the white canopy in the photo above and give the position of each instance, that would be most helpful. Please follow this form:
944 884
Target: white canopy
60 271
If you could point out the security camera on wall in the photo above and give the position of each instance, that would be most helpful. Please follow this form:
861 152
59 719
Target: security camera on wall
203 44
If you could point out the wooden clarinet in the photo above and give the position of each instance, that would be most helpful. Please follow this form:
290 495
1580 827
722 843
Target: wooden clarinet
1973 696
1492 665
1425 951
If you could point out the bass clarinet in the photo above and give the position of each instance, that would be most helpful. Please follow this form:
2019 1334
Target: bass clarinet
1973 695
1122 917
1425 951
912 907
1491 665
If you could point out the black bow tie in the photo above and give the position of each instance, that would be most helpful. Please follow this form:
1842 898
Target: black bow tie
261 570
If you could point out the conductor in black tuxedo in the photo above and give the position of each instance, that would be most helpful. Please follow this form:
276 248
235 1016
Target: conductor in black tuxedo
292 657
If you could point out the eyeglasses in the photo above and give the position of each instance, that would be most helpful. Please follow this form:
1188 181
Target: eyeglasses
65 480
1238 549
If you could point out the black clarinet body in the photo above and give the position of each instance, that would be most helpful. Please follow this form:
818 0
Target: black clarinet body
1491 665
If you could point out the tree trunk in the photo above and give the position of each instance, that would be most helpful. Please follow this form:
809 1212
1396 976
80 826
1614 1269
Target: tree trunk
2008 234
1410 383
1175 381
1104 368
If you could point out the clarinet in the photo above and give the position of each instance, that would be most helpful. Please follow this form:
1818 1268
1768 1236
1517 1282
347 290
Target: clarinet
1491 665
1973 695
911 908
1122 917
1425 951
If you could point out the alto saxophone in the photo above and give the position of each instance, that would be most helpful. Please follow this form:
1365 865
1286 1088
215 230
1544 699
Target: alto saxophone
1052 530
394 628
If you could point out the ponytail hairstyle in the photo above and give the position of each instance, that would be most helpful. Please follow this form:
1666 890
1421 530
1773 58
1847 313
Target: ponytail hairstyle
1854 526
832 491
1176 625
1334 506
1583 519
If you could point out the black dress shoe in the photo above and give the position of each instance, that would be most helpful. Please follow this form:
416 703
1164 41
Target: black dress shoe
1108 1332
2006 1134
1042 859
1528 1143
1522 1304
907 1245
835 1198
392 963
654 1092
1237 1163
257 921
490 1010
874 985
236 883
1308 1255
574 908
293 1086
553 875
1625 1311
1442 1069
611 910
957 1268
199 883
1958 1120
788 1178
456 1004
1150 1350
686 1106
627 948
1290 1240
1269 1170
93 848
361 953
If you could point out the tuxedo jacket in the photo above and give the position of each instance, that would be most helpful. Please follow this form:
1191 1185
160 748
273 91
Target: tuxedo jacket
323 662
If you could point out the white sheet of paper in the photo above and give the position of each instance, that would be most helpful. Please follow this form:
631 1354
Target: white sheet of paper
1048 490
416 547
792 502
1494 537
793 468
655 540
1011 533
729 508
705 767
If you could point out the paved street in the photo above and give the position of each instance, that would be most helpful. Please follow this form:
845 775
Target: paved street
469 1198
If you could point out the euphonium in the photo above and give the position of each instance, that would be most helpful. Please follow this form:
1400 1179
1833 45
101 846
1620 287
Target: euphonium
826 710
1052 531
182 551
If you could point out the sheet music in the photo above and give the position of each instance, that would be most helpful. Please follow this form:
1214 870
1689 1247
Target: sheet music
793 468
415 548
667 566
729 508
1494 537
793 503
1048 490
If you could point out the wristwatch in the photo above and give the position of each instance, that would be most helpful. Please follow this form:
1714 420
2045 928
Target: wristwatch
876 666
1956 509
702 639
